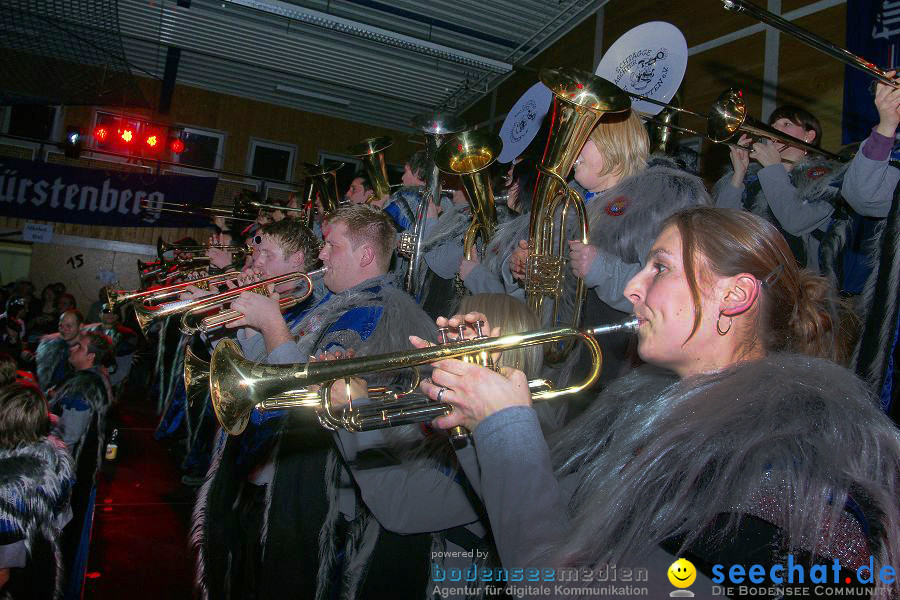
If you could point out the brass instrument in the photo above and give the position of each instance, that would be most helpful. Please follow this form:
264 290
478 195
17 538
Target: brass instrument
579 101
117 298
238 212
810 39
371 152
192 319
162 248
147 315
324 182
238 385
729 118
469 155
435 127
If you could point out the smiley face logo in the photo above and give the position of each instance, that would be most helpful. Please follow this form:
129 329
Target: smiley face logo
682 573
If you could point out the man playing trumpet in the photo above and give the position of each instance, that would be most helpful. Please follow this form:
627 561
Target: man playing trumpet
281 478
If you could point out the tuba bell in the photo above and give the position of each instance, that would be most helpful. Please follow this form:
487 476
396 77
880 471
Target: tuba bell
371 152
322 179
469 155
579 101
435 127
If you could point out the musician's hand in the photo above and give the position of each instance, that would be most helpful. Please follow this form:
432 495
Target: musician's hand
466 266
459 198
740 161
467 320
192 292
432 211
518 259
263 314
765 153
887 102
359 390
581 257
475 392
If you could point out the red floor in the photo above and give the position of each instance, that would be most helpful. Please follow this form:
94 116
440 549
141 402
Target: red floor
139 546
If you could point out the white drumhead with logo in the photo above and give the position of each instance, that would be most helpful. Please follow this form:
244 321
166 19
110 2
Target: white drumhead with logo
523 121
649 60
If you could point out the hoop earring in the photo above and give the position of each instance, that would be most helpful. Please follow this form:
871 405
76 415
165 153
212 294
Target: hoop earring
719 327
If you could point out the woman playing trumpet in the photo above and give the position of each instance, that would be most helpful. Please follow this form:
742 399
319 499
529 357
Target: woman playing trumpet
740 427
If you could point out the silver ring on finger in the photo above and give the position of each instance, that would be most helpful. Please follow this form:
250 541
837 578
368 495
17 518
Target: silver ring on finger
440 394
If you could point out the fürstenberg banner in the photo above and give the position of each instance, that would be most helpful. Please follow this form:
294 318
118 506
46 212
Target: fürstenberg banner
51 192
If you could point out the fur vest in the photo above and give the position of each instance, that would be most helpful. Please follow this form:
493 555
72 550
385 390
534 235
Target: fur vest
35 485
788 438
52 356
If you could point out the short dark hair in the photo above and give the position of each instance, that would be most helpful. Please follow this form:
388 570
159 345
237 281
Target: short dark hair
293 236
798 116
70 297
367 224
101 347
366 182
7 369
23 414
418 163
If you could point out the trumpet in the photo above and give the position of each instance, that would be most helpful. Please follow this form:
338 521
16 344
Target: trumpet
192 320
162 248
147 315
117 298
237 385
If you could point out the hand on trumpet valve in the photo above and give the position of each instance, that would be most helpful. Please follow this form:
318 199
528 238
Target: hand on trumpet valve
518 260
192 292
581 257
887 102
471 325
340 398
260 312
475 392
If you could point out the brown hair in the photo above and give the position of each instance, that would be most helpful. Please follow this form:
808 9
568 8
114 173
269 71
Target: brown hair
100 346
293 236
623 141
23 415
797 308
368 225
511 315
798 116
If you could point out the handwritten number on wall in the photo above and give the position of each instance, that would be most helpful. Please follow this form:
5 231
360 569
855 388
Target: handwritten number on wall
76 262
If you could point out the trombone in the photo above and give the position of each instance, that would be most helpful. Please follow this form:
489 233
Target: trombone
237 385
810 39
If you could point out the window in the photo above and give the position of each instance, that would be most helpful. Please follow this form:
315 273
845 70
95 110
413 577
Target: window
271 161
34 122
201 148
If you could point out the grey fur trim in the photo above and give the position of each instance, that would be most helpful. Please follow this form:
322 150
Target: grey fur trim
197 536
100 398
38 477
450 226
656 458
51 350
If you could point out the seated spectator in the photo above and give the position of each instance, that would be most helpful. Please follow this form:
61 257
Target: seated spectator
52 354
36 477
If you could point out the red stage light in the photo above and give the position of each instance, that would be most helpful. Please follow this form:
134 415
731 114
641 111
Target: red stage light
100 134
177 146
151 141
127 135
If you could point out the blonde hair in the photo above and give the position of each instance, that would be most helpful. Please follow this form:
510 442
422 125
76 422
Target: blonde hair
623 142
511 316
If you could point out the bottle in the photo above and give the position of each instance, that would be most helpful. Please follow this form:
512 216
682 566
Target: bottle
112 446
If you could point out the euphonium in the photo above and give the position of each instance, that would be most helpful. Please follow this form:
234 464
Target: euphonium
435 127
371 152
469 155
163 247
237 385
579 101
